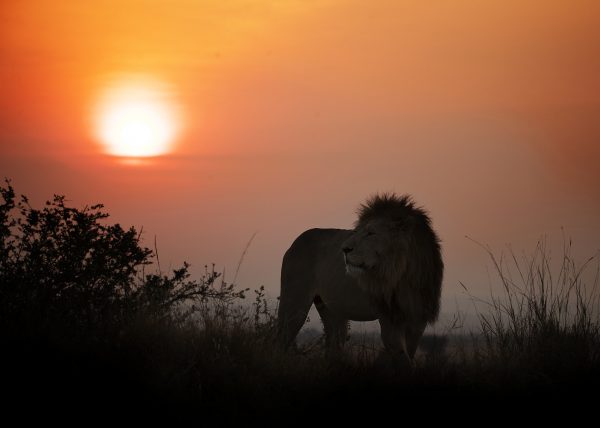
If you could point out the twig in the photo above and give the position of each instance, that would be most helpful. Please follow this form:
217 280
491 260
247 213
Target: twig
242 257
157 259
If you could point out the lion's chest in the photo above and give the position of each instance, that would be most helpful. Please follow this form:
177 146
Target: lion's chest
348 300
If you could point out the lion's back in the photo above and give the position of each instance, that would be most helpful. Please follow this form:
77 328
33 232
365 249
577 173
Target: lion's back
311 252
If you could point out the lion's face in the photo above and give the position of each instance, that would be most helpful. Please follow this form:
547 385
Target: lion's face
368 247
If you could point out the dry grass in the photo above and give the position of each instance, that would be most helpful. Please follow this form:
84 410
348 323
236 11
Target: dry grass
544 323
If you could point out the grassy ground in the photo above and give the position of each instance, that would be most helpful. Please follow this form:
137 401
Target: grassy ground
233 378
227 370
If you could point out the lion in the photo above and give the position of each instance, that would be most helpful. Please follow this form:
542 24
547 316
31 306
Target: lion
388 268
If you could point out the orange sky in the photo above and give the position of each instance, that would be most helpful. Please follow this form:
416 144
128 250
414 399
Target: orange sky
295 111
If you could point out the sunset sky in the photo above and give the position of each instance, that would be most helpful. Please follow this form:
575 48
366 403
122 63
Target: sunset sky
286 115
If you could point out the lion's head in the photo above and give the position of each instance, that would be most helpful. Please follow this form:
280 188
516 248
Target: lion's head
369 247
395 254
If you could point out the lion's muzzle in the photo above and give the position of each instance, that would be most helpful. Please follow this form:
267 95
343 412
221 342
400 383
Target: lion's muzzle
353 268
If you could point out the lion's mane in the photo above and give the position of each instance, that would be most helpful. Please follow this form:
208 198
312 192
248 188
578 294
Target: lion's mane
407 285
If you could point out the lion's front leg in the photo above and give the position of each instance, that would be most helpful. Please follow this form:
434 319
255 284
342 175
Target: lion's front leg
401 339
335 326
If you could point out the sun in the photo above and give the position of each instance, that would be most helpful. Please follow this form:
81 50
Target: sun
137 118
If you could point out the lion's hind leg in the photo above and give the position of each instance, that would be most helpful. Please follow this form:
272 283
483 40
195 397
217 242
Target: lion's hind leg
292 313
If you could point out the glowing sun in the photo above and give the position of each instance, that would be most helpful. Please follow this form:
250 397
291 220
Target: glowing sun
137 118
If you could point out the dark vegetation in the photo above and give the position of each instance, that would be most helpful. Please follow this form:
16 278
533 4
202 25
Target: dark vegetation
88 321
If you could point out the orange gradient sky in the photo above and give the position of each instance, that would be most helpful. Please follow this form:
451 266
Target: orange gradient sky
294 111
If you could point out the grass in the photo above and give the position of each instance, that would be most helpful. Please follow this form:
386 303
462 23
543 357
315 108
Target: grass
545 323
185 349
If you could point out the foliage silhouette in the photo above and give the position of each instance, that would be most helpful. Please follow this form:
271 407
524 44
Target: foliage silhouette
66 269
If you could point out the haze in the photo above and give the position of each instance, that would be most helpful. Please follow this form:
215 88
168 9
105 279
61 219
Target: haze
294 112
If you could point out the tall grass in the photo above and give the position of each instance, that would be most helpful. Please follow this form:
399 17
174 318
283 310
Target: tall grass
545 319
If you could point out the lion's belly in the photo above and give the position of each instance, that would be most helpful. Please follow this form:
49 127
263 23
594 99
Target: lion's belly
356 313
347 300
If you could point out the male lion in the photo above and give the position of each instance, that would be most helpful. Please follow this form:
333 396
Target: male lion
388 268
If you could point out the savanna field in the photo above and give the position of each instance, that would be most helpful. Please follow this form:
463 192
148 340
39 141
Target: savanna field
91 321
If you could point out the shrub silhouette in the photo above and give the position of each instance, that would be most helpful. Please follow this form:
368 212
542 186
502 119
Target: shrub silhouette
63 268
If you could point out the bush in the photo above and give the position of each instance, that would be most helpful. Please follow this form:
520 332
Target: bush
65 269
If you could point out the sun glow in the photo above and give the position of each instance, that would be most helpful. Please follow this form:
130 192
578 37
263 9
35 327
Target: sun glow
137 118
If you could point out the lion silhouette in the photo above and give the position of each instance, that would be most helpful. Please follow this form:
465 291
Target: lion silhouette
388 268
